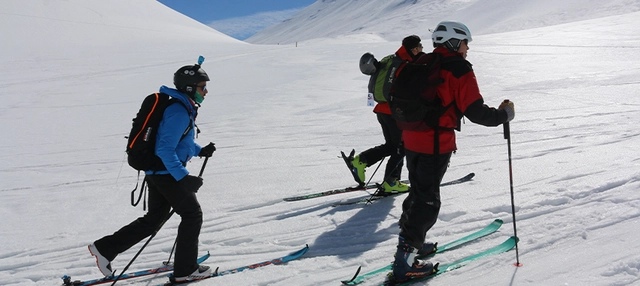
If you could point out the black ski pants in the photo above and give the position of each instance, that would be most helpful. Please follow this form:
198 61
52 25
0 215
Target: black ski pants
421 207
392 147
164 193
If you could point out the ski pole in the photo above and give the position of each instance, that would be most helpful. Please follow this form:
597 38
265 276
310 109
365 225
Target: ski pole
379 187
507 135
145 245
206 159
155 232
374 172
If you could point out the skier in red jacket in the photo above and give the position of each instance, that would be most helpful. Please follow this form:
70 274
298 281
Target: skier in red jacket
428 155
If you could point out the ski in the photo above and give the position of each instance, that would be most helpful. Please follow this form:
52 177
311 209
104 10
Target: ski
443 268
166 268
276 261
489 229
466 178
374 197
335 192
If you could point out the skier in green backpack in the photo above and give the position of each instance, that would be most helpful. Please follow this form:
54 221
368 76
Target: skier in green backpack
392 148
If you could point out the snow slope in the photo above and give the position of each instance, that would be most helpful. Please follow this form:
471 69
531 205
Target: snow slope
279 116
395 19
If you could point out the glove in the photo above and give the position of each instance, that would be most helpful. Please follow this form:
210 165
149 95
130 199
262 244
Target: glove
207 151
190 183
508 107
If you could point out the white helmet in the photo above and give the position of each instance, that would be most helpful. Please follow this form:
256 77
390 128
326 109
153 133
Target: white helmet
450 34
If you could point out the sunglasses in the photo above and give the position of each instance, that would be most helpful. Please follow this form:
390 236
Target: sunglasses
203 87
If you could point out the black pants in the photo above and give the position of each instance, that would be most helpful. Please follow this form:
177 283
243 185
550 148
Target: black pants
164 194
421 207
392 147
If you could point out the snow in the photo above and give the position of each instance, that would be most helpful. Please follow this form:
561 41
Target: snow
74 73
395 19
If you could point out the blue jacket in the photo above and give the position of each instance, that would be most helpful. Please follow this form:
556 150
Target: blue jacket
173 152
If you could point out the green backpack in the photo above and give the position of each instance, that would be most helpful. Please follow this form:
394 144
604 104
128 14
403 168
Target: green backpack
382 74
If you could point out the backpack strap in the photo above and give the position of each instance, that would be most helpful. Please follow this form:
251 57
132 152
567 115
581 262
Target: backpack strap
191 120
143 190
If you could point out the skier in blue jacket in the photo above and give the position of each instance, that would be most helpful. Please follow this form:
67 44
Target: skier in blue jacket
172 186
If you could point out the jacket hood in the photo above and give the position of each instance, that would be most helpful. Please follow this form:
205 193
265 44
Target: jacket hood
174 93
404 54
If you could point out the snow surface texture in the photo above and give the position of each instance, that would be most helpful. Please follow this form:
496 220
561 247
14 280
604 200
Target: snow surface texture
74 73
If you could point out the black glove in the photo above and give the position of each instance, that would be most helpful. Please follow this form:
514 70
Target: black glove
207 151
190 183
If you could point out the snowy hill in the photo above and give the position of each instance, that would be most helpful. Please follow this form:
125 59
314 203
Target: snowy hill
73 74
395 19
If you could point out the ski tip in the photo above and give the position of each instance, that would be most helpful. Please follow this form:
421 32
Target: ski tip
215 273
357 272
348 282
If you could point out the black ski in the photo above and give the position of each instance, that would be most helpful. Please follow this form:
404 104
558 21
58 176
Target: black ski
370 199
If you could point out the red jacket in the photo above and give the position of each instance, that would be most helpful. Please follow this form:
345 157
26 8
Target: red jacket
460 86
383 107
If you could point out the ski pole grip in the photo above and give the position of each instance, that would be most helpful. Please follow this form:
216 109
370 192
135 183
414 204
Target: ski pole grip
507 130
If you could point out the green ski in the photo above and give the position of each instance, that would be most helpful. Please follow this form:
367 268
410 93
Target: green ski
442 268
491 228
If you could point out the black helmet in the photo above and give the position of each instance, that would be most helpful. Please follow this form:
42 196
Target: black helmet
368 64
187 77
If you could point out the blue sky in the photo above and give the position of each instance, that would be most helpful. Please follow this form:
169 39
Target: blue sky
240 18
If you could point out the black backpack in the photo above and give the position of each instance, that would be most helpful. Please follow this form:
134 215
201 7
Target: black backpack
142 138
414 101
